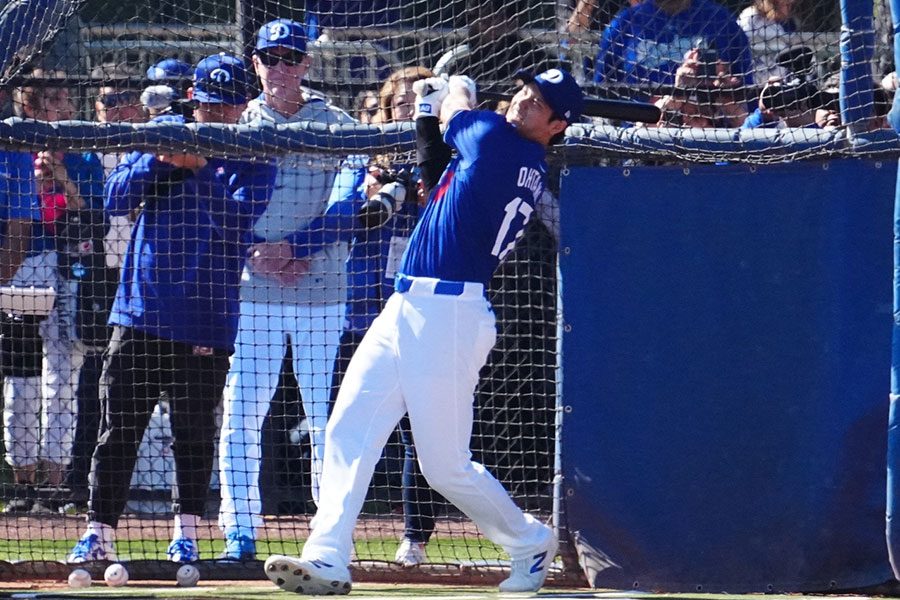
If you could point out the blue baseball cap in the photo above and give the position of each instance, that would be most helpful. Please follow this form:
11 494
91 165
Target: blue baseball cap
282 33
560 90
168 69
221 79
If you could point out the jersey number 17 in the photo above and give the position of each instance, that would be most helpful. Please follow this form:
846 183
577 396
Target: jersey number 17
516 207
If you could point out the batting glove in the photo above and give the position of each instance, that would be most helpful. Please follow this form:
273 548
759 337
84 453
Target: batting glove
430 94
463 84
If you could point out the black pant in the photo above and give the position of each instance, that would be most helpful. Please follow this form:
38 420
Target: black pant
419 500
137 369
87 425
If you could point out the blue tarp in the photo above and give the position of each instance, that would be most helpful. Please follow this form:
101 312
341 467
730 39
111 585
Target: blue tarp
727 352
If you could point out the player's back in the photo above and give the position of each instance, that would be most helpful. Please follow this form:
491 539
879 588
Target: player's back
481 205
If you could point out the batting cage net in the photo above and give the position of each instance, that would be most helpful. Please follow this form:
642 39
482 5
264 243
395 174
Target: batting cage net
105 424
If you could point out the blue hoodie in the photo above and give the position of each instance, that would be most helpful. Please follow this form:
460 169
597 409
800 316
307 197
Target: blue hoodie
181 276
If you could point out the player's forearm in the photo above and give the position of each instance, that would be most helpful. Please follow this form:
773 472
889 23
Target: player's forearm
452 105
432 153
580 20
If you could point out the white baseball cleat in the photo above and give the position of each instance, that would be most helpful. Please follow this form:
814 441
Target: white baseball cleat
528 574
410 553
309 577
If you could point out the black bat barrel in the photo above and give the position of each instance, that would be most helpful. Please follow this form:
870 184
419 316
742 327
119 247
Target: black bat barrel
621 110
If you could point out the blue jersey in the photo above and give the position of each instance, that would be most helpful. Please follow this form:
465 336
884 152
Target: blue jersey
181 276
644 45
481 205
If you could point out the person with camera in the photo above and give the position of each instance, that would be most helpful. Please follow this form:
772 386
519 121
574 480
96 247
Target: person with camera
785 103
300 306
166 94
392 203
705 94
640 48
392 200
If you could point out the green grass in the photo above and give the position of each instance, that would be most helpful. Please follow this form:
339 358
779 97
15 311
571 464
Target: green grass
439 549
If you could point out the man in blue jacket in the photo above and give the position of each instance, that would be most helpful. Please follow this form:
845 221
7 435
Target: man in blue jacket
645 43
176 311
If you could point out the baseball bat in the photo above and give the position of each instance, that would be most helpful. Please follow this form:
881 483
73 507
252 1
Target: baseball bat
621 110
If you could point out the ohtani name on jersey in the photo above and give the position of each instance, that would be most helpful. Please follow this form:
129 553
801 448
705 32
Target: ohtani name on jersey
531 180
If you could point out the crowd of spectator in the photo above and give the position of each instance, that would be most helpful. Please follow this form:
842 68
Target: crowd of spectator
281 262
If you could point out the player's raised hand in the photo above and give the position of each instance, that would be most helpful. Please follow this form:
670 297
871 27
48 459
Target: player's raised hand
430 93
464 86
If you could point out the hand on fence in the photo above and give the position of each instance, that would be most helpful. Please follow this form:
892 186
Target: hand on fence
185 161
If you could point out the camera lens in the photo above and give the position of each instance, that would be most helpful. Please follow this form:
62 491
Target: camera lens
376 211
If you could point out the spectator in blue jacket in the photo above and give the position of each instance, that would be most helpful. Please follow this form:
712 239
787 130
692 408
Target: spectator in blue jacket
644 44
176 311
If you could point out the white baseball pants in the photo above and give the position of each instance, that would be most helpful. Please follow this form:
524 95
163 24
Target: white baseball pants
315 332
422 355
40 423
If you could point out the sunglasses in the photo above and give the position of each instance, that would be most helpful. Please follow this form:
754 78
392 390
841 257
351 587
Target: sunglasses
291 59
114 100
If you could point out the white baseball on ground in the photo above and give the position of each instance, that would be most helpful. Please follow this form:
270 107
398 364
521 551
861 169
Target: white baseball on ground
116 575
187 576
79 578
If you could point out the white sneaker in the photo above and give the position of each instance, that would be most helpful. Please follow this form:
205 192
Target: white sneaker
310 577
410 553
528 574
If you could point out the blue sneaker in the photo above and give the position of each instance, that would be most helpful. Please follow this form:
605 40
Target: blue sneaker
183 550
238 547
89 548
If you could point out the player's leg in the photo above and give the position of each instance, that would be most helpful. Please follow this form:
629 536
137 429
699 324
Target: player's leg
250 385
440 367
368 407
197 379
315 338
129 390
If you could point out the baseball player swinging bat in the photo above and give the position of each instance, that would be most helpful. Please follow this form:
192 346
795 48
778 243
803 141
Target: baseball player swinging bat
622 110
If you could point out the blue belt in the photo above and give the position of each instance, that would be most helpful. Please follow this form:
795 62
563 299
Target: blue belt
446 288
